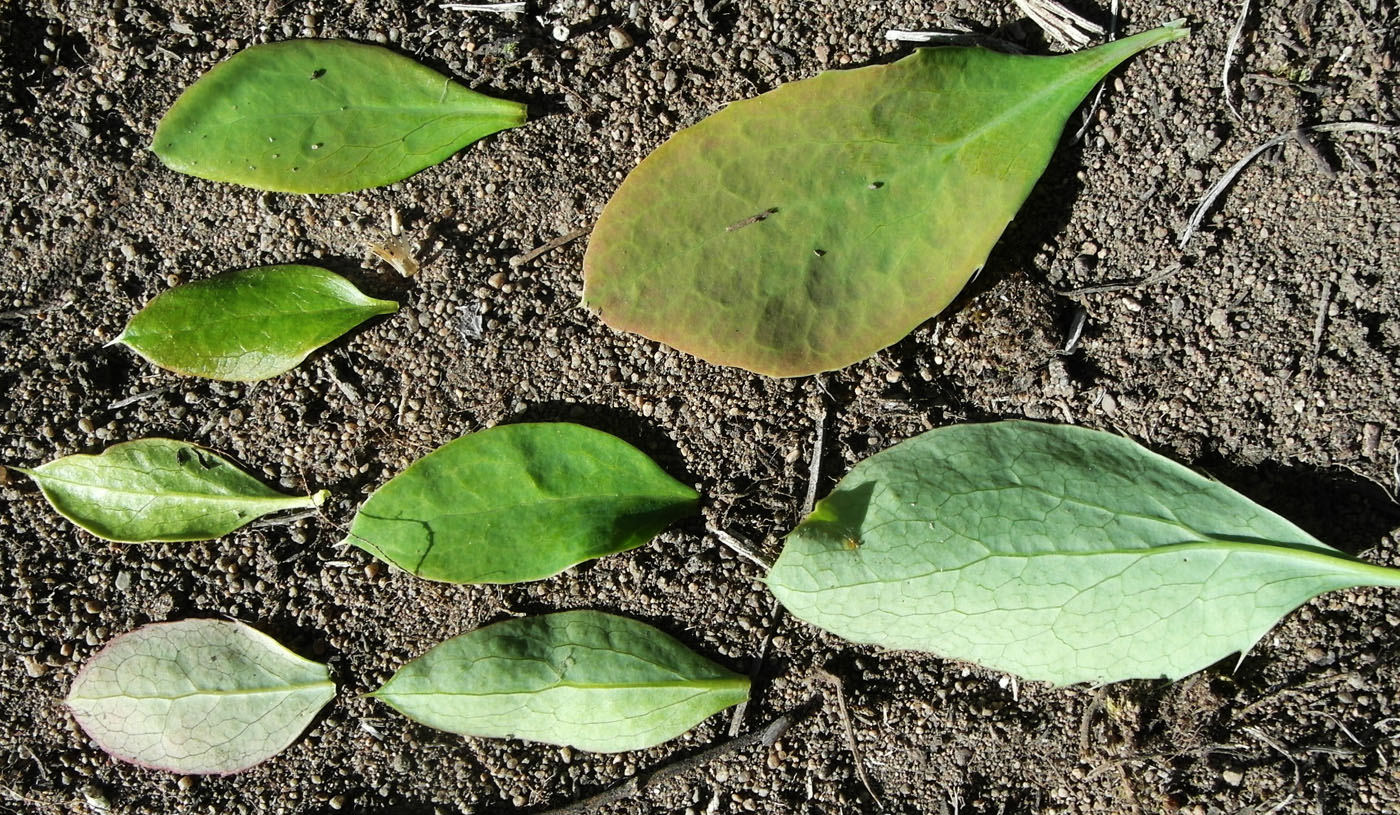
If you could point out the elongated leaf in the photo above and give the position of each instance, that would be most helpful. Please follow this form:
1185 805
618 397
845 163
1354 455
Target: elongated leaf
582 678
807 228
1055 553
248 324
322 116
519 502
158 490
197 696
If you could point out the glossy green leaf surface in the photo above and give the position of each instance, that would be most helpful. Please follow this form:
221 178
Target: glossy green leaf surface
1051 552
809 227
322 116
197 696
582 678
248 324
519 502
158 490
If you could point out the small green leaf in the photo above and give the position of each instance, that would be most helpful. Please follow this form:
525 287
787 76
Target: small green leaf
248 324
519 502
582 678
1055 553
197 696
807 228
322 116
158 490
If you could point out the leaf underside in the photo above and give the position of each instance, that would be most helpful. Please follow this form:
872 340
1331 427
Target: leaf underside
248 324
322 116
583 678
158 490
197 696
807 228
1054 553
519 502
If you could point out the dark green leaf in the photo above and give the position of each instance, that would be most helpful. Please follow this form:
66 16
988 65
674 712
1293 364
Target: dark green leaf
590 680
197 696
322 116
248 324
1052 552
807 228
519 502
158 490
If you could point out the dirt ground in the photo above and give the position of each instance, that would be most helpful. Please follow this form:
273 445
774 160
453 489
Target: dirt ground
1264 352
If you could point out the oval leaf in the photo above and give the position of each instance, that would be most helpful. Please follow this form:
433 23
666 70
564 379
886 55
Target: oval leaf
158 490
519 502
197 696
1055 553
582 678
322 116
248 324
808 228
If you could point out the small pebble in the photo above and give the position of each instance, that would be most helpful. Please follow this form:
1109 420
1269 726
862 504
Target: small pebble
1232 777
619 38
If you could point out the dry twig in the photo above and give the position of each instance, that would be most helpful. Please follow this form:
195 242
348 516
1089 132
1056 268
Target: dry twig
835 682
549 246
646 779
1061 23
1235 35
1221 184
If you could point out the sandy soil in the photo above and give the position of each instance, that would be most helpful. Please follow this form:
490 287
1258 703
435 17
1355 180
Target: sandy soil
1264 353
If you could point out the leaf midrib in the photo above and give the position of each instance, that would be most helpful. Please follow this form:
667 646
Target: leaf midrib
710 685
283 689
232 499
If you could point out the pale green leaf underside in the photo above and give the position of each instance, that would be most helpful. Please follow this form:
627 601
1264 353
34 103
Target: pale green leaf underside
519 502
248 324
323 116
197 696
807 228
158 490
1051 552
582 678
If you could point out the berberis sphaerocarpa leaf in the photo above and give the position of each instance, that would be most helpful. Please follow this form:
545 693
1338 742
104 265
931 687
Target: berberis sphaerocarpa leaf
322 116
248 324
582 678
809 227
197 696
158 490
519 502
1054 553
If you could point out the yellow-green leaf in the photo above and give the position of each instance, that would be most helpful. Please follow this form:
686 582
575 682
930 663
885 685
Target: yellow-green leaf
323 116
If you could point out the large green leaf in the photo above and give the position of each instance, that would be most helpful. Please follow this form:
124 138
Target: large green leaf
197 696
248 324
1055 553
158 490
519 502
322 116
807 228
582 678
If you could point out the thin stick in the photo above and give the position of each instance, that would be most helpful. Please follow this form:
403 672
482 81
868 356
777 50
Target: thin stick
20 313
814 467
766 736
736 721
284 520
739 547
1061 23
1235 35
490 8
549 246
1199 213
1320 324
835 681
137 397
1311 149
1088 119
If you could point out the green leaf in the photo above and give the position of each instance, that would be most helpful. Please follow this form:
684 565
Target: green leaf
322 116
197 696
519 502
1054 553
158 490
807 228
248 324
582 678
